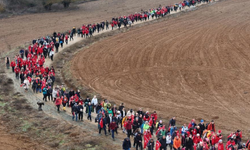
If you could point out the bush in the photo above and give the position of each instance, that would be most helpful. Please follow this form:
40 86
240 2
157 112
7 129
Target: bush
47 4
2 8
66 3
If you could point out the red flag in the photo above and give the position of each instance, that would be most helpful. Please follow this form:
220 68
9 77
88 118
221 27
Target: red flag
160 128
22 85
29 78
145 141
147 136
101 123
158 145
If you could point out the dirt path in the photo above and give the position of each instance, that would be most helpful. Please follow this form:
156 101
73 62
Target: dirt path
193 66
49 107
17 30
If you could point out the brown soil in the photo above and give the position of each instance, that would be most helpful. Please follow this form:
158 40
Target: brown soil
16 31
192 66
13 142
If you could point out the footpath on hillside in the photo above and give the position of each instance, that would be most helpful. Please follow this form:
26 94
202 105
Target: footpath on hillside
49 107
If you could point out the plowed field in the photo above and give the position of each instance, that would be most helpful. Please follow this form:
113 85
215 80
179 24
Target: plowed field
192 66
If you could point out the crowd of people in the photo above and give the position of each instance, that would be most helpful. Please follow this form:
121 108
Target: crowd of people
28 66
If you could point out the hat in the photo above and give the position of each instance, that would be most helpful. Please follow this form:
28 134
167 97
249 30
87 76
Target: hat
202 121
220 141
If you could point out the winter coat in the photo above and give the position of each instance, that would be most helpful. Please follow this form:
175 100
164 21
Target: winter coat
80 108
177 143
168 139
126 144
163 142
138 138
145 127
150 145
220 146
189 143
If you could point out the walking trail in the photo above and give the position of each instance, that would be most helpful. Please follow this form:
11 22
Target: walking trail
49 107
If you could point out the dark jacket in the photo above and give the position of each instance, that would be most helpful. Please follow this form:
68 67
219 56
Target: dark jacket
172 122
138 138
150 145
79 108
126 143
202 127
75 109
136 124
189 143
163 142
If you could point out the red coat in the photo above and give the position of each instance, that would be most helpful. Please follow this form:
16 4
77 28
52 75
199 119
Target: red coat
112 126
58 101
220 146
129 125
17 70
197 140
229 143
13 64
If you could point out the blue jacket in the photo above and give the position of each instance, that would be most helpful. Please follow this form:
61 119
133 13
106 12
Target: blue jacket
45 90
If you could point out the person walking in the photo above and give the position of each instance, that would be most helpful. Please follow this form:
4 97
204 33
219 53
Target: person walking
150 144
65 101
26 84
113 126
169 141
45 92
94 102
89 109
126 145
163 142
138 141
177 143
102 125
74 111
129 128
51 54
13 64
80 110
7 61
58 103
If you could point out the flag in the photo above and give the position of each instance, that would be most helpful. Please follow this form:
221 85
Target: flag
29 78
22 85
146 139
101 123
160 128
157 145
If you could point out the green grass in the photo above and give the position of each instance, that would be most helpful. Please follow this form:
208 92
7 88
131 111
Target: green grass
26 125
2 104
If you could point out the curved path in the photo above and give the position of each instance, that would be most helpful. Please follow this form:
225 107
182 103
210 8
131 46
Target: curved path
193 66
49 107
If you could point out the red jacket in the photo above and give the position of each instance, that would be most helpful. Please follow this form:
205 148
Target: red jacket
112 126
17 70
129 125
197 140
58 101
220 146
13 64
229 143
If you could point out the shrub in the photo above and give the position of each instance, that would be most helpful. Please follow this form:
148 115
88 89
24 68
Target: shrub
2 8
66 3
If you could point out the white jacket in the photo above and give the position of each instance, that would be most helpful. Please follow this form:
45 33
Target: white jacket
27 83
168 139
94 101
